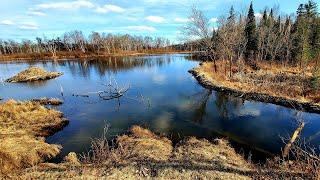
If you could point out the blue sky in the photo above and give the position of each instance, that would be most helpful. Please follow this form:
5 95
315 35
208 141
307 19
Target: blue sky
27 19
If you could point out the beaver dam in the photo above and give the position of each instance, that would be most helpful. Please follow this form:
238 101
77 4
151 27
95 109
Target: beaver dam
177 108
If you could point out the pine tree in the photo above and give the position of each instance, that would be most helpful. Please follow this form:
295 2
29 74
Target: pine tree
297 35
232 17
311 14
264 19
251 36
311 9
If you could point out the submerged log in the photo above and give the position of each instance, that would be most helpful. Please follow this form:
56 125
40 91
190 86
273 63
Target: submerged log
33 74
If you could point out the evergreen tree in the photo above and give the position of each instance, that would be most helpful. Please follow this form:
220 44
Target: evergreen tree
251 36
264 19
232 17
297 34
311 9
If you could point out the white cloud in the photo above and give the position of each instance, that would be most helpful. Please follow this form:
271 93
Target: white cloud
213 20
181 20
67 5
141 28
109 8
29 26
156 19
7 22
35 13
258 15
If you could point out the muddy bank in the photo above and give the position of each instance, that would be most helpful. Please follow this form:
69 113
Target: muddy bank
33 74
23 128
207 82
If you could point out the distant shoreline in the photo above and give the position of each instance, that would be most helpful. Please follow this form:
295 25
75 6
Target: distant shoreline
76 55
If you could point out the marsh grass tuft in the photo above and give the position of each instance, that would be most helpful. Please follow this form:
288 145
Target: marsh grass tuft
23 126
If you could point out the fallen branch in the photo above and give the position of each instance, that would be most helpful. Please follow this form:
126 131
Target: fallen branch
112 91
294 136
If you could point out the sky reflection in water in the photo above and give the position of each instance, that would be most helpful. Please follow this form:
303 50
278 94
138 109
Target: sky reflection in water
178 105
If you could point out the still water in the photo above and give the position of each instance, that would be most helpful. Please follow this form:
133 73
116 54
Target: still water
163 96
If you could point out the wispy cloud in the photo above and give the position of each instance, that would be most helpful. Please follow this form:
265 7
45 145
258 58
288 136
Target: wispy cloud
66 5
141 28
109 8
7 22
156 19
35 13
29 26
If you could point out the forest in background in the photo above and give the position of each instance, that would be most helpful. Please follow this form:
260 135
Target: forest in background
76 43
249 38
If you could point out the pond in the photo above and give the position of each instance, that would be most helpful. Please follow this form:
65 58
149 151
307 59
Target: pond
162 96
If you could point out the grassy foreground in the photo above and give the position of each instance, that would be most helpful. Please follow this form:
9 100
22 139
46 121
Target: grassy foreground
23 126
286 86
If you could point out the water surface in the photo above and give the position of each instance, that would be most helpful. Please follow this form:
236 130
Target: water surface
163 96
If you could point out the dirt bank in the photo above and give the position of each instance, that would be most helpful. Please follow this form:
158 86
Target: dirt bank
23 126
252 90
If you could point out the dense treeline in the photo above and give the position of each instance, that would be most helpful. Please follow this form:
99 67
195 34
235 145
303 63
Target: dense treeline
271 37
75 41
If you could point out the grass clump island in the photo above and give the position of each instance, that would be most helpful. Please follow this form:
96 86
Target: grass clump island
138 154
33 74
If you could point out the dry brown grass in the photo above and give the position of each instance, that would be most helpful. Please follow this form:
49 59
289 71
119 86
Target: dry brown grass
141 158
33 74
142 144
274 80
146 155
22 128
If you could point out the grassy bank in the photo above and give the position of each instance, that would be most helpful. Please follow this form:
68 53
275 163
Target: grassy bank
23 126
81 55
286 86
